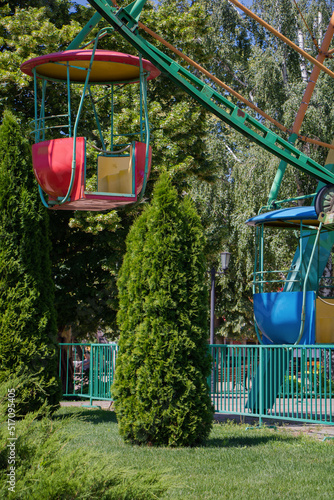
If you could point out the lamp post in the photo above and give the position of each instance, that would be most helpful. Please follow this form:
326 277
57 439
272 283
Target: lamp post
225 261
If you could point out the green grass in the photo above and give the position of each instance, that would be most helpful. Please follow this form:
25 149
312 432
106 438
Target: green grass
235 463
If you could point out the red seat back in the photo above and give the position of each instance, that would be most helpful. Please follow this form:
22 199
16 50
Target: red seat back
52 163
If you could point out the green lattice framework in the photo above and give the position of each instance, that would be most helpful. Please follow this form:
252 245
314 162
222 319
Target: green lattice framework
125 22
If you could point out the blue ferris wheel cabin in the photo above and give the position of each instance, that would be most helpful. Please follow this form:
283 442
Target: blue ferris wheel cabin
293 306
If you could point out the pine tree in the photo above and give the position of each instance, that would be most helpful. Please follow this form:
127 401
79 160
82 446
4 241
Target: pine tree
27 315
161 393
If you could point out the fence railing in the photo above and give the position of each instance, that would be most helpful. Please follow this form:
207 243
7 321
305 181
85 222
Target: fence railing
87 370
279 382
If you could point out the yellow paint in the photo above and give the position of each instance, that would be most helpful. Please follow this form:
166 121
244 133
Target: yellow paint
102 71
324 321
114 174
330 156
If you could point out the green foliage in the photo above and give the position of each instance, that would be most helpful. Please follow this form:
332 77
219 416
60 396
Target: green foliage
47 467
236 461
27 315
178 122
161 393
272 76
25 33
186 142
86 256
92 258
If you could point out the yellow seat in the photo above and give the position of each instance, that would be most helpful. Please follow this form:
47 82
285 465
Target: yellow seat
114 174
324 321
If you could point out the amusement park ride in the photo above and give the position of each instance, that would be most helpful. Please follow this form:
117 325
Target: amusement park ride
295 315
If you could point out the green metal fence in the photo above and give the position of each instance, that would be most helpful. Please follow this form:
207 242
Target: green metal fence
280 382
87 370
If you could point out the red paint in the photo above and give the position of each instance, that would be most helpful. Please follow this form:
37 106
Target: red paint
52 162
140 154
85 55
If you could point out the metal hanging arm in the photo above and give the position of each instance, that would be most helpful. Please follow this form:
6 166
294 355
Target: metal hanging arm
143 99
75 128
302 321
75 44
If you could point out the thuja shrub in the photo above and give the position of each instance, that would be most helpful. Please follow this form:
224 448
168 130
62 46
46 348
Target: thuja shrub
49 465
161 393
27 316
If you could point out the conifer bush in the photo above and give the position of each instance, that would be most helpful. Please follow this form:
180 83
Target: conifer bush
50 465
27 316
161 393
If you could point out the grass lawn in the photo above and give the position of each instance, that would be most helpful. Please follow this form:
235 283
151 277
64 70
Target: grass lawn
235 463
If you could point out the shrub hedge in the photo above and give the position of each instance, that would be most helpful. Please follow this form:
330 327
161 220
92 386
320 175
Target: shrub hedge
161 393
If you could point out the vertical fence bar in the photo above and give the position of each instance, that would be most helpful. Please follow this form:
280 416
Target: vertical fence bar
323 374
315 386
67 361
60 356
261 385
309 367
91 377
330 382
216 372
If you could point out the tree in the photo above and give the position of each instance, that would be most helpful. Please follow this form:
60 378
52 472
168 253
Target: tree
27 314
161 393
272 76
25 33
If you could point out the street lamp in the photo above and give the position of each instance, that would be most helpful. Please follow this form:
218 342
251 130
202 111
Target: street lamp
225 260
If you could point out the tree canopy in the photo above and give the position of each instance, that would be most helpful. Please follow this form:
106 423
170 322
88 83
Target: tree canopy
88 249
271 75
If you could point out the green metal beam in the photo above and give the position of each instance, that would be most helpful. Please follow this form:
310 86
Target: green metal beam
226 111
279 174
75 44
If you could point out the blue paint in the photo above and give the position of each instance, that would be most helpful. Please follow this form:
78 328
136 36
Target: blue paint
278 316
284 215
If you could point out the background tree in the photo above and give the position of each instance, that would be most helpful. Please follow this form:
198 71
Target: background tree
161 391
27 314
271 75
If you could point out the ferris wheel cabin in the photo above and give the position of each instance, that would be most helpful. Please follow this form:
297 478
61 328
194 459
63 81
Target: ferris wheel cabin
296 305
123 161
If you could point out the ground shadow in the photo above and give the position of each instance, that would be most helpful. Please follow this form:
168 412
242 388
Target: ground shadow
93 416
246 441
